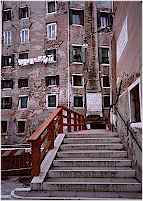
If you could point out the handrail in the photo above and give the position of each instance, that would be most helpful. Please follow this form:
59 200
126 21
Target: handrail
43 137
129 129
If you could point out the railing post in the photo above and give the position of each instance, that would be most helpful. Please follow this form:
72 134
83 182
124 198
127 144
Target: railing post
69 120
75 122
51 136
61 122
79 121
36 158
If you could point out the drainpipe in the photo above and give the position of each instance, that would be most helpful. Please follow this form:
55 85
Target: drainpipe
68 63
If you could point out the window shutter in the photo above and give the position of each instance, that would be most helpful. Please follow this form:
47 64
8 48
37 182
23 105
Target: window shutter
83 54
20 13
12 59
70 17
110 20
100 55
71 54
57 80
98 20
26 10
82 17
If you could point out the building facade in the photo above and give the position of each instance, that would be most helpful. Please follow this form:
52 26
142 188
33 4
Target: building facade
126 79
53 53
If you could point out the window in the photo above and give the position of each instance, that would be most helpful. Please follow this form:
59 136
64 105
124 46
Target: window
6 15
51 100
7 38
6 84
20 126
6 102
106 82
23 56
23 102
77 54
106 101
77 80
104 20
52 80
51 54
135 104
78 101
77 17
8 60
24 35
51 6
23 12
52 31
3 126
104 55
22 83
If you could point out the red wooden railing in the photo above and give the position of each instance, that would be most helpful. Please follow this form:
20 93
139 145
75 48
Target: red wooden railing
43 138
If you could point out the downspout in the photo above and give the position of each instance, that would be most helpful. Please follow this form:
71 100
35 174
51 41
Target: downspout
68 58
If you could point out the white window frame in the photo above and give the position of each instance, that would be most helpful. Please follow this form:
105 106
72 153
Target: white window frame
82 99
103 46
28 13
8 10
47 1
102 82
19 102
11 104
5 133
56 54
51 24
17 126
24 41
103 102
78 9
52 85
7 35
78 45
53 94
81 78
138 81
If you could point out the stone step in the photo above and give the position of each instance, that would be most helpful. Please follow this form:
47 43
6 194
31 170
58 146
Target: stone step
94 131
115 146
92 184
92 162
87 135
89 172
92 153
91 140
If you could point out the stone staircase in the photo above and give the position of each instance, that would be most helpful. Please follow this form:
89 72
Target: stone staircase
92 164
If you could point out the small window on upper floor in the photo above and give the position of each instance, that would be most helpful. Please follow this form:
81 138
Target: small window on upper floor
77 80
23 56
51 100
52 31
103 55
8 60
24 35
3 126
6 15
77 54
23 101
7 84
106 101
7 38
20 126
51 54
106 82
51 6
78 101
6 102
23 12
104 20
52 80
76 17
22 83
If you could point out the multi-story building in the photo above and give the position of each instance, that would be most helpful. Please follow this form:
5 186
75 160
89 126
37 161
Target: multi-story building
126 79
50 57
